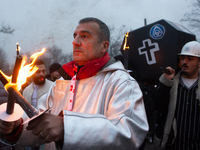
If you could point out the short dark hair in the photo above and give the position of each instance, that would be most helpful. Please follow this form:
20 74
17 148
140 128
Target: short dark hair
54 67
39 62
104 33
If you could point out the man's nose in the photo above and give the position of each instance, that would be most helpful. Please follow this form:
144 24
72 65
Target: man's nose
76 41
185 60
42 73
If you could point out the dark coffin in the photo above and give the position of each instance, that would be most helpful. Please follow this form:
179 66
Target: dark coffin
154 46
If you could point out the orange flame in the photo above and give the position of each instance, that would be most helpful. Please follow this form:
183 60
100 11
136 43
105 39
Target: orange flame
125 43
24 71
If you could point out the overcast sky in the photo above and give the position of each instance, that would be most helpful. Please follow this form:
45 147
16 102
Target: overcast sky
43 23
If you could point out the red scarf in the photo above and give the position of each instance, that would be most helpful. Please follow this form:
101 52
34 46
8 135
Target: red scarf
89 69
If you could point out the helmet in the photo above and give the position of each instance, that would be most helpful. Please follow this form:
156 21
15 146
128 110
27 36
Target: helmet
191 49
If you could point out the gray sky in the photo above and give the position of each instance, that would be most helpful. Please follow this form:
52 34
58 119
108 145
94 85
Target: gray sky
43 23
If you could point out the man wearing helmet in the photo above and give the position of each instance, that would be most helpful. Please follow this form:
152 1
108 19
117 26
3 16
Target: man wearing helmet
178 98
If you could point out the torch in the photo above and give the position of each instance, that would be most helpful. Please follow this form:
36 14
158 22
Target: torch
13 84
18 49
11 101
126 52
14 94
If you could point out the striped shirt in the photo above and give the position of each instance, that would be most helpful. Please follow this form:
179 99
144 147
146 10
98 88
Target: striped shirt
188 118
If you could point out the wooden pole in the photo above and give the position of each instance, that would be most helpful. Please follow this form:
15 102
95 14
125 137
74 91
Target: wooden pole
11 101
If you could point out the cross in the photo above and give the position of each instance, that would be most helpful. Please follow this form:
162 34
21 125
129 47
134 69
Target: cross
148 49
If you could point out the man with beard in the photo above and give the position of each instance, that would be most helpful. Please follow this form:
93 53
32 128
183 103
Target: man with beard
37 90
178 97
40 85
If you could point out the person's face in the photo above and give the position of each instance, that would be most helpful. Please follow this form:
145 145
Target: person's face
85 44
190 66
39 75
55 75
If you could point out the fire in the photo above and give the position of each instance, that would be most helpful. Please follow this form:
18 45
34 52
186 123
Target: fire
24 71
18 47
125 43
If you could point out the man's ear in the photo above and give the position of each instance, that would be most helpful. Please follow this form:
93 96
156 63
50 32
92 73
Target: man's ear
105 45
199 62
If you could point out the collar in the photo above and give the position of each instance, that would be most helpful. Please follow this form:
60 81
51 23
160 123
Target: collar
89 69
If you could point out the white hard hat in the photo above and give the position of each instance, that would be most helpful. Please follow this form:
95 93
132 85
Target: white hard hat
191 49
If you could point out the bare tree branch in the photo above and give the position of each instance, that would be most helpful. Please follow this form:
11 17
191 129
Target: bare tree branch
193 18
55 54
6 29
3 59
116 39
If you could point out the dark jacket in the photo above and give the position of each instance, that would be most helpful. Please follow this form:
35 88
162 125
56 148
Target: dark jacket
161 97
3 94
165 104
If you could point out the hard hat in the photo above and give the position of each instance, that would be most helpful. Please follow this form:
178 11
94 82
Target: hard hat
191 49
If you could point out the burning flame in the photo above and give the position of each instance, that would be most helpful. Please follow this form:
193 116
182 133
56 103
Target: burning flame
18 47
125 43
24 71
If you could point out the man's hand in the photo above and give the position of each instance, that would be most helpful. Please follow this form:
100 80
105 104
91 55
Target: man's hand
48 127
170 75
8 127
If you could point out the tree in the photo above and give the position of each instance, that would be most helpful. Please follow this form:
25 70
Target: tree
4 65
193 18
6 29
58 56
51 55
55 54
116 39
3 59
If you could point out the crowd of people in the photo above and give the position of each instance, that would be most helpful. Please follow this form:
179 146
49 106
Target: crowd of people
97 104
